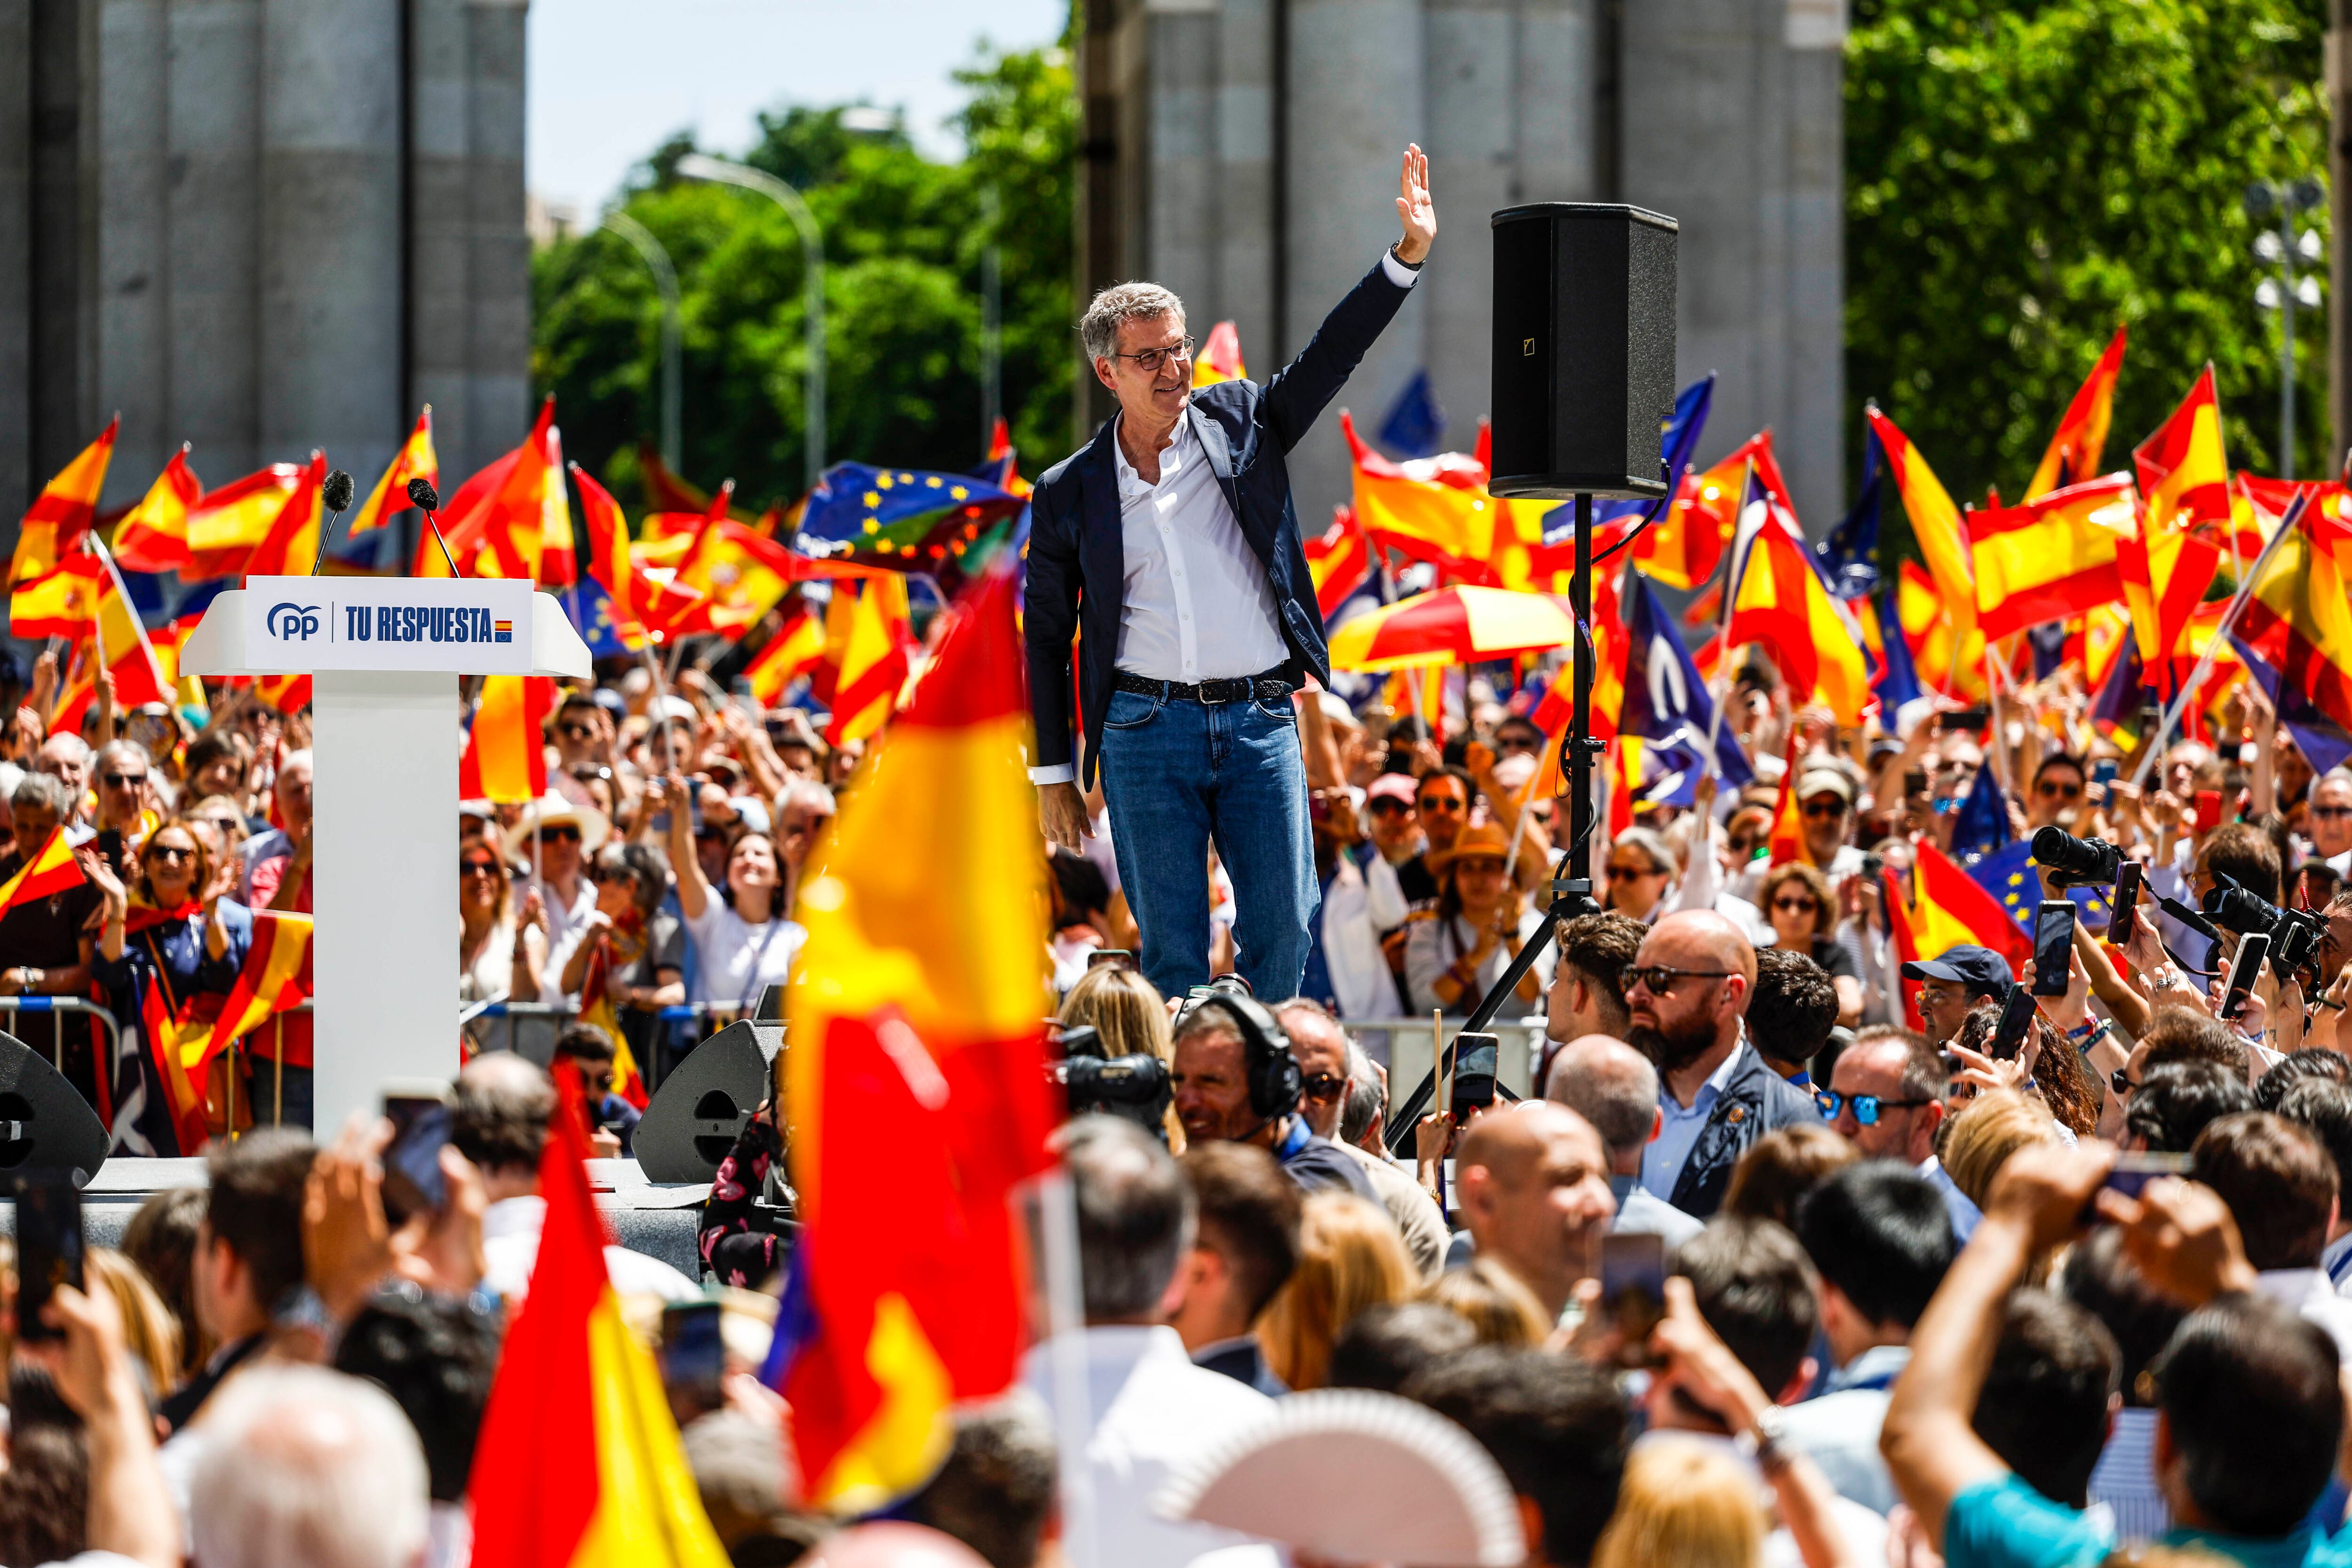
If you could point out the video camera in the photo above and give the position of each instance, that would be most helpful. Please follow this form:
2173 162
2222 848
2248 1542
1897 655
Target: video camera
1135 1087
2067 861
2296 934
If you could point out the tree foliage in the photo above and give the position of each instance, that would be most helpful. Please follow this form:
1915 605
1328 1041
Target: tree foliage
2023 176
904 237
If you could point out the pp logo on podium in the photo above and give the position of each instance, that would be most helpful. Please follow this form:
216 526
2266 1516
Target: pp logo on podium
292 622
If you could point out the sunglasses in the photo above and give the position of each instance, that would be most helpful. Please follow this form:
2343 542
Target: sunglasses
2332 812
2057 791
478 869
1866 1107
1795 906
170 852
123 781
2119 1083
1822 810
576 732
1325 1086
1443 803
1389 805
1657 979
563 833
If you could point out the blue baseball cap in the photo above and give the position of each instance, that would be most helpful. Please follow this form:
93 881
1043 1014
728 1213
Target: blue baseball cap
1981 969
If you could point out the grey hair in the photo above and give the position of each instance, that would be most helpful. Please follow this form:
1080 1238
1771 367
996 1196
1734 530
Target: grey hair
1367 1096
1613 1087
1120 303
112 749
43 792
1136 1215
1653 843
307 1468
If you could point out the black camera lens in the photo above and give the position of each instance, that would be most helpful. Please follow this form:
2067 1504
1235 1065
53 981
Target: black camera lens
2067 861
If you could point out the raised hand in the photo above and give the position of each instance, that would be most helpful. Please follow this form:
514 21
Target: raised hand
1414 209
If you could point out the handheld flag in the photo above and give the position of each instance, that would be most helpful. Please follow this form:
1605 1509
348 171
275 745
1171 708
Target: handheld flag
579 1462
643 602
225 524
2051 559
1849 556
2080 441
1935 521
796 649
153 537
52 870
922 1018
2297 616
872 662
1948 910
1981 825
506 754
1666 701
64 510
276 977
1682 548
292 542
2183 471
1340 562
415 460
1779 599
1785 840
1220 357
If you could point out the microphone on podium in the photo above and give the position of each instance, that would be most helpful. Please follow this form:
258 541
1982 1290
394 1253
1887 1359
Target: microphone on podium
337 495
422 496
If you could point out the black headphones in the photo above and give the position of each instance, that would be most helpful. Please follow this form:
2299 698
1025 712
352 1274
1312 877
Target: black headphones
1275 1084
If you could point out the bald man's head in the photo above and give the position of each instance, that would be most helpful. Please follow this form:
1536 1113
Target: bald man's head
1613 1087
1534 1184
1690 985
1704 936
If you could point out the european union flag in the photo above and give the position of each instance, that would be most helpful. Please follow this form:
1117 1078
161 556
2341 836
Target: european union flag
591 611
1849 556
1981 825
903 519
1666 701
1897 682
1414 424
2013 876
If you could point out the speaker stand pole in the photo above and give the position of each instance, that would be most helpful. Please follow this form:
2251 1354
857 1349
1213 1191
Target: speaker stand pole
1572 886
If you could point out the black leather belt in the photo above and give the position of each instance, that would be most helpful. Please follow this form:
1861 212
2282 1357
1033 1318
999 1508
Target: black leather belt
1264 686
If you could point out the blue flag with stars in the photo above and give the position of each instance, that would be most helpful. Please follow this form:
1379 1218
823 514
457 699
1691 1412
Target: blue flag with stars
2013 876
591 611
1981 825
1849 556
1415 425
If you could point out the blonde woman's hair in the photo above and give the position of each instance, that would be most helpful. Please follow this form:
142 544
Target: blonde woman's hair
1986 1133
1683 1504
1349 1257
1493 1300
150 1332
1129 1018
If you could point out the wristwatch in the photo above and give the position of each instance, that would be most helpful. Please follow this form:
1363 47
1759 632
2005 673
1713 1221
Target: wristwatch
305 1310
1401 261
1762 1442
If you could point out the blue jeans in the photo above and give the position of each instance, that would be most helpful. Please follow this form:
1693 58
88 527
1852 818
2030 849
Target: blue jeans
1178 775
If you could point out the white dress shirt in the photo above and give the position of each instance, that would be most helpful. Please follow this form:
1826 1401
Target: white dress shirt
1195 603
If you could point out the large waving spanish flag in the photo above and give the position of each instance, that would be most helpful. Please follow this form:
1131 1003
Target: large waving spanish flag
1935 522
290 548
796 649
1779 599
52 870
579 1463
1683 547
64 510
1338 562
2297 618
499 521
224 525
2183 471
153 537
872 660
2080 442
506 746
1437 509
2051 559
645 602
1949 909
916 1009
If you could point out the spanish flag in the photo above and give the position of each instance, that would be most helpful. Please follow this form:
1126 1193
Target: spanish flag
2080 441
921 1017
415 460
597 1009
1220 357
645 602
1779 599
1785 839
1905 943
1953 663
2051 559
52 870
120 641
224 525
1950 910
1683 548
579 1463
154 536
797 648
64 510
498 522
1935 523
62 602
872 662
276 976
1437 509
506 751
2183 471
170 1036
1338 562
291 545
2297 616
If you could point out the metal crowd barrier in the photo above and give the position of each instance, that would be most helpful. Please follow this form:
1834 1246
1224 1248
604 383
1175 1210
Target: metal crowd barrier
532 1027
57 1007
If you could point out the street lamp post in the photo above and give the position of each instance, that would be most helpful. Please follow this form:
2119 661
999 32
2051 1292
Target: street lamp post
991 321
2284 248
699 166
666 280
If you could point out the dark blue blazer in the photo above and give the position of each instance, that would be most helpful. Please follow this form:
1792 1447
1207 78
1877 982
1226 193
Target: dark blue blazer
1077 558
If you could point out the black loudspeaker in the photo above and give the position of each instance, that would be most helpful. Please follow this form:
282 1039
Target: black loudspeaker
45 1123
1584 349
702 1106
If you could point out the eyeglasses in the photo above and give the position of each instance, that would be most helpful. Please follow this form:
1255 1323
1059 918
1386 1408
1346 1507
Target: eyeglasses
2119 1083
1866 1107
1515 741
1796 906
2331 812
1325 1086
1657 979
1443 803
1824 809
1149 361
562 833
478 869
123 781
1630 873
2057 791
1388 806
605 875
171 852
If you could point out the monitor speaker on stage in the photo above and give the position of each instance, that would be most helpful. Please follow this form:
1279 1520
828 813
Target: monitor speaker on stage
702 1106
45 1123
1584 349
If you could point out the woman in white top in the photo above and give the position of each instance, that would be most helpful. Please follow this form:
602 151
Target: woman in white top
743 943
501 949
1452 960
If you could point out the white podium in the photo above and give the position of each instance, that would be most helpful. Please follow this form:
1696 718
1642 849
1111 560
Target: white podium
386 735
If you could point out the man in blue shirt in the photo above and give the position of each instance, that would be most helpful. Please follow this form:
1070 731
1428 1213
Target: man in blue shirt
2250 1415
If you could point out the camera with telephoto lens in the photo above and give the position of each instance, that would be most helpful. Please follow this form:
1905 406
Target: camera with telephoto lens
2067 861
2295 934
1135 1087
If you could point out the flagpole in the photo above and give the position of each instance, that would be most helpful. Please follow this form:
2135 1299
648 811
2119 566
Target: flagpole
1723 634
2291 521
